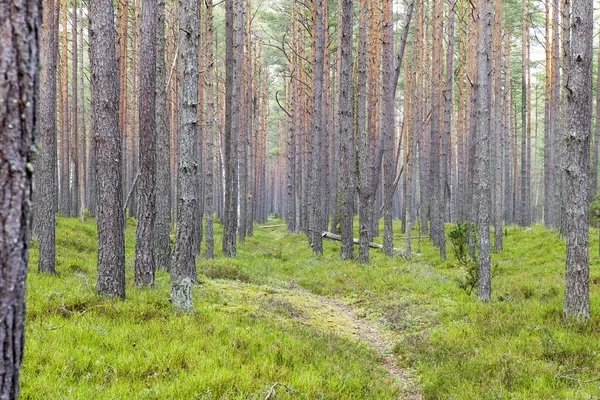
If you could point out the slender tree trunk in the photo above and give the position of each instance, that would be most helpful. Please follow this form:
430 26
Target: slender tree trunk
183 270
577 300
346 134
387 125
74 140
45 162
144 234
162 225
122 25
211 125
363 140
483 195
109 210
82 124
523 192
233 66
65 191
19 24
498 157
564 117
316 129
594 166
446 135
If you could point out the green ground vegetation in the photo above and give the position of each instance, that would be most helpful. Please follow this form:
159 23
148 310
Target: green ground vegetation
258 321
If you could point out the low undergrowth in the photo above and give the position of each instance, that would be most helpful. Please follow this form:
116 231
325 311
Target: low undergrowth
253 325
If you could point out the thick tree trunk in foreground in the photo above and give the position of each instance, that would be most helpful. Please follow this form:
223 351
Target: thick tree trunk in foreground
577 301
162 224
183 270
144 266
45 162
482 160
109 209
19 21
346 134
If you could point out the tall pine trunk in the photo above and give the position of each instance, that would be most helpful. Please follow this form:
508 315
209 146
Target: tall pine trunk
105 111
44 193
144 265
577 301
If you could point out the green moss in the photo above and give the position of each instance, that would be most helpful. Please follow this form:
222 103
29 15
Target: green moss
258 320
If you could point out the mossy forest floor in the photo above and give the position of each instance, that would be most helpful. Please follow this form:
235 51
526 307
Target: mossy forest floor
278 323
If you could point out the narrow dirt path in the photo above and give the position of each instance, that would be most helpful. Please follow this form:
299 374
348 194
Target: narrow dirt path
326 314
377 337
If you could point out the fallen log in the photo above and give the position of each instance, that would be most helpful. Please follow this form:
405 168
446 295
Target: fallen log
333 236
270 226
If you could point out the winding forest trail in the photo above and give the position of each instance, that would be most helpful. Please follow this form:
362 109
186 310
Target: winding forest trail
376 336
324 314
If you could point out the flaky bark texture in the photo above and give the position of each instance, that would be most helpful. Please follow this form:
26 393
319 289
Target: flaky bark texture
233 59
19 22
109 208
74 152
387 125
346 134
144 266
162 224
482 158
184 266
577 301
435 165
316 130
211 124
44 190
362 139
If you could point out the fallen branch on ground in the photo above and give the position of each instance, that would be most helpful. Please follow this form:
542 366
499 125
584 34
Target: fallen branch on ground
271 226
272 390
333 236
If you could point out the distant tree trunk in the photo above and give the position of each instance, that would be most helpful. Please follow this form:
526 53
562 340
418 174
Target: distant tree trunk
19 24
316 129
547 118
436 208
508 192
387 125
74 152
563 127
346 134
83 141
162 225
44 190
523 192
483 194
594 166
577 300
363 141
211 125
446 134
498 157
144 234
233 49
92 158
555 172
183 270
65 184
109 210
122 25
243 127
